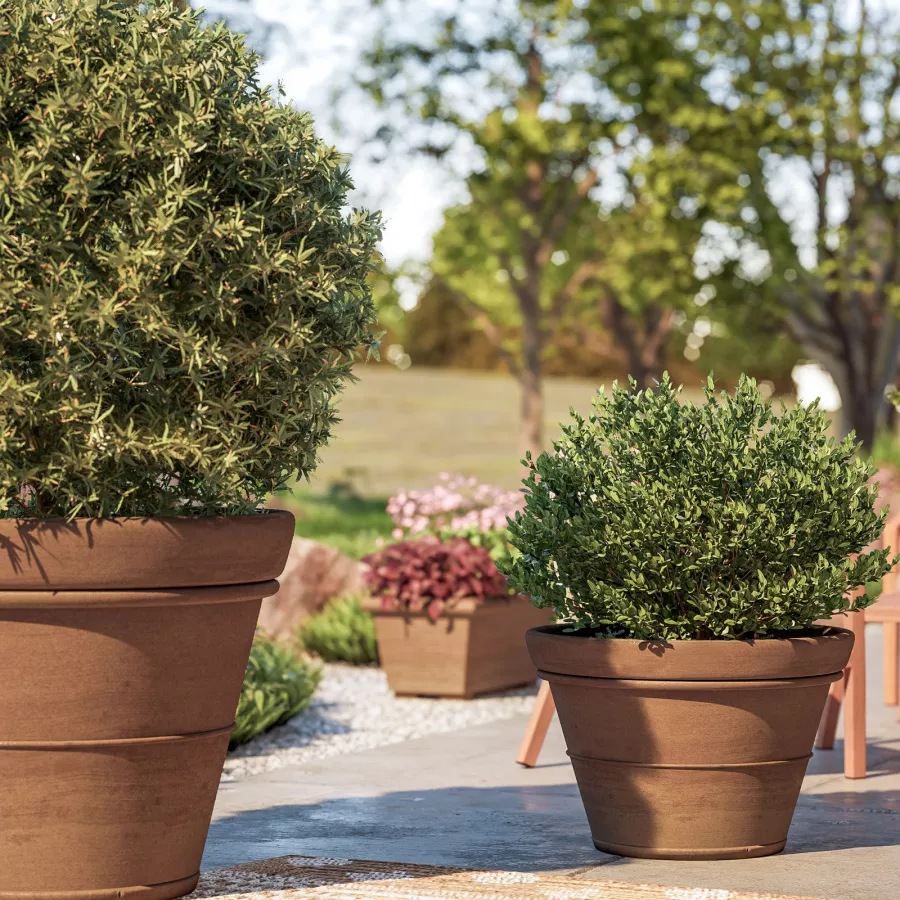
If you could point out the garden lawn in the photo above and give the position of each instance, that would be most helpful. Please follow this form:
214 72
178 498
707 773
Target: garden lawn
400 429
340 519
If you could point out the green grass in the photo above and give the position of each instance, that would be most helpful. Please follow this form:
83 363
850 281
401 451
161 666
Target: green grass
400 429
341 519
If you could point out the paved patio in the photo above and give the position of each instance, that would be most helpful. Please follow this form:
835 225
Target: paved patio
459 799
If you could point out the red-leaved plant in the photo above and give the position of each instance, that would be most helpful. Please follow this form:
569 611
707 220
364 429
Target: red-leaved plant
428 574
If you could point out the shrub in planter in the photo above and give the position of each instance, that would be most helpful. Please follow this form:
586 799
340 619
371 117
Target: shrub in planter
342 632
277 686
691 551
445 620
182 297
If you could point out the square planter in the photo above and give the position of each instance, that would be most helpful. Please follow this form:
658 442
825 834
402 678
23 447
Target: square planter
476 647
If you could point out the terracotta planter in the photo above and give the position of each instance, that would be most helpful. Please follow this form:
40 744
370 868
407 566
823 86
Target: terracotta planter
689 749
123 645
473 648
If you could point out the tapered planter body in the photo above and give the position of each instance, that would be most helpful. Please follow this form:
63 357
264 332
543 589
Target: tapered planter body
123 645
474 647
689 749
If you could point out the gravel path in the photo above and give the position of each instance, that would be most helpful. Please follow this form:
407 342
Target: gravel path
353 709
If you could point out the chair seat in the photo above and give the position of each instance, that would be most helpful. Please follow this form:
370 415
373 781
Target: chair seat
885 609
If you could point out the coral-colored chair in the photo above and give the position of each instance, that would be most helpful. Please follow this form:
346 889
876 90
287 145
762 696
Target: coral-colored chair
537 727
851 692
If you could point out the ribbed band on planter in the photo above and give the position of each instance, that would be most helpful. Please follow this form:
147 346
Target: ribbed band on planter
176 774
690 749
127 662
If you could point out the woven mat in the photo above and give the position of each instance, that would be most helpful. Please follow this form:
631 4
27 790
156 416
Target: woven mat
326 878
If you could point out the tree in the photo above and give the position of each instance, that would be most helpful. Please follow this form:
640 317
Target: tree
439 332
532 98
610 288
803 117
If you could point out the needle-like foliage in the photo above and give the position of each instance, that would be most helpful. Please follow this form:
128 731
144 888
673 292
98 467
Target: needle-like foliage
182 290
657 519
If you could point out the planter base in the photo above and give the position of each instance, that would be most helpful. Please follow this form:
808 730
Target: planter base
168 891
664 853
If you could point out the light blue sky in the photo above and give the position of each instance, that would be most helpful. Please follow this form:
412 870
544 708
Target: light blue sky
315 47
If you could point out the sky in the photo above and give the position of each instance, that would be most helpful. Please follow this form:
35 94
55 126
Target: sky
315 46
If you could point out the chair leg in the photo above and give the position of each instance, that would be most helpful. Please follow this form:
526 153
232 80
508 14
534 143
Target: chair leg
538 725
855 702
829 720
891 662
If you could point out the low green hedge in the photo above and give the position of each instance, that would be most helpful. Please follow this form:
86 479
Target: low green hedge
342 632
277 685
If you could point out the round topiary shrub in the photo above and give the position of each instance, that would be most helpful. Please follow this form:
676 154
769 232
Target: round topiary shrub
182 291
657 519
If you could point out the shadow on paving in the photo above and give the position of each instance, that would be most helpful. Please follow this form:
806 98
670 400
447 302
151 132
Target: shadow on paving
520 829
539 828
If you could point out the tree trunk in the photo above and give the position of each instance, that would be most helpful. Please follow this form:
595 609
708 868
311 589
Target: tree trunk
651 361
865 413
860 418
643 337
864 409
859 348
531 380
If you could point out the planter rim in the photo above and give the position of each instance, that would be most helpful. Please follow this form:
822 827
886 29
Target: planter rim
142 553
57 521
195 596
803 656
645 684
829 633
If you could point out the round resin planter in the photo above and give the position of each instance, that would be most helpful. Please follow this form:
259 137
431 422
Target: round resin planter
689 749
123 645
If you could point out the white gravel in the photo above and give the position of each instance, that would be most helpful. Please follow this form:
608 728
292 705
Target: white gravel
353 709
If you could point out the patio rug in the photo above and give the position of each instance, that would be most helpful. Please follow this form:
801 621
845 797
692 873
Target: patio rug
328 878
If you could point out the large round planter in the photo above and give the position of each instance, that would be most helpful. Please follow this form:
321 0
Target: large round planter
123 645
689 749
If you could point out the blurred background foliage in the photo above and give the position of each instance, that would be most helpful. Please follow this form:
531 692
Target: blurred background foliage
616 187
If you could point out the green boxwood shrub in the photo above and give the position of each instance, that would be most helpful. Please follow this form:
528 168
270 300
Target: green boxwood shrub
656 519
277 686
342 632
182 292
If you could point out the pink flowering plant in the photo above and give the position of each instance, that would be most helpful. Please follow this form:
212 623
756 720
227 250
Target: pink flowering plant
457 506
429 574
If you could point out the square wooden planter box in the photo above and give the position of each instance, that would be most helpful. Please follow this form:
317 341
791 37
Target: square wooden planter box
473 648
